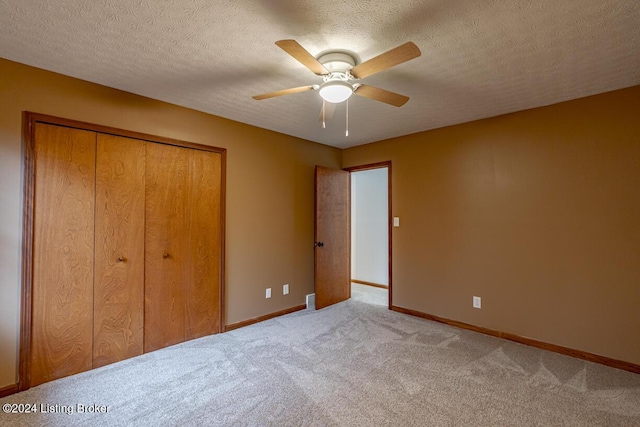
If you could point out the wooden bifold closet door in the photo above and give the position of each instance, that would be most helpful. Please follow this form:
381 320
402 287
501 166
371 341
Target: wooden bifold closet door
63 247
181 298
119 255
127 248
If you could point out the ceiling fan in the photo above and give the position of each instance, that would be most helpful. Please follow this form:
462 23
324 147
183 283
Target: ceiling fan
338 70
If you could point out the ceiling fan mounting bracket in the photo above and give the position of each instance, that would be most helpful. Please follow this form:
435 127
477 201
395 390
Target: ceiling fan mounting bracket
337 76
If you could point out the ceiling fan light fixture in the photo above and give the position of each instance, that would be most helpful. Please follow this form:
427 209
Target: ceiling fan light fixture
336 91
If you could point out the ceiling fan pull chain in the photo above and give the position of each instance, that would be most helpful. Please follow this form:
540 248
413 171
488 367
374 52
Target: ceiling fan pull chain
323 122
347 131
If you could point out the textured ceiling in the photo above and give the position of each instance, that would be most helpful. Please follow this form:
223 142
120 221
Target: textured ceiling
479 58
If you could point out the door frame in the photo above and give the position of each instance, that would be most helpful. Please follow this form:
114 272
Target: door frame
380 165
29 120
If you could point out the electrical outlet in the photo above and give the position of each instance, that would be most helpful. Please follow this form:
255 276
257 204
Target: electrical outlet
285 289
477 302
268 294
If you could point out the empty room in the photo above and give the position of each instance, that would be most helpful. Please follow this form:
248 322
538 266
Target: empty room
276 213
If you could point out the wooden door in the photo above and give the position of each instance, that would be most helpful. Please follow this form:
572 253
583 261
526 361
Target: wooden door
204 249
167 202
119 252
63 246
183 245
332 236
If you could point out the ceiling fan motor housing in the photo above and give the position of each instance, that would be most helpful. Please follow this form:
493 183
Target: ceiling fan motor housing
337 62
336 87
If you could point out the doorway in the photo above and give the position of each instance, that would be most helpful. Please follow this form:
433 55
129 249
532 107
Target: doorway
371 233
332 235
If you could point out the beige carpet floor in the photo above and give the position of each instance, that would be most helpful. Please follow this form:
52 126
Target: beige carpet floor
353 364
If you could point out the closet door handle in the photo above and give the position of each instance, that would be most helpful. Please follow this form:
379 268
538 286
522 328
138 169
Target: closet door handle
165 255
121 259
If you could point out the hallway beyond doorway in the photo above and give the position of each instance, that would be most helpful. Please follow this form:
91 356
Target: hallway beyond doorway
369 294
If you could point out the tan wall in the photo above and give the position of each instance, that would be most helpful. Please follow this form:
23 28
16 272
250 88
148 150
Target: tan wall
269 190
537 212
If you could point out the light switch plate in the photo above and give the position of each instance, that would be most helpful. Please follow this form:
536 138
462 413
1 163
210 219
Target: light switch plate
285 289
396 221
268 293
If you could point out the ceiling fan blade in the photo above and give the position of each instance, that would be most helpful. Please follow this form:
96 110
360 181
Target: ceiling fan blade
390 58
283 92
329 109
382 95
294 49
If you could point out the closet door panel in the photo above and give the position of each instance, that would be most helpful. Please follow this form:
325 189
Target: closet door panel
202 287
119 258
165 245
63 245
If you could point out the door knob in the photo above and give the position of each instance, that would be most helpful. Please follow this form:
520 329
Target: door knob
121 259
165 255
318 244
